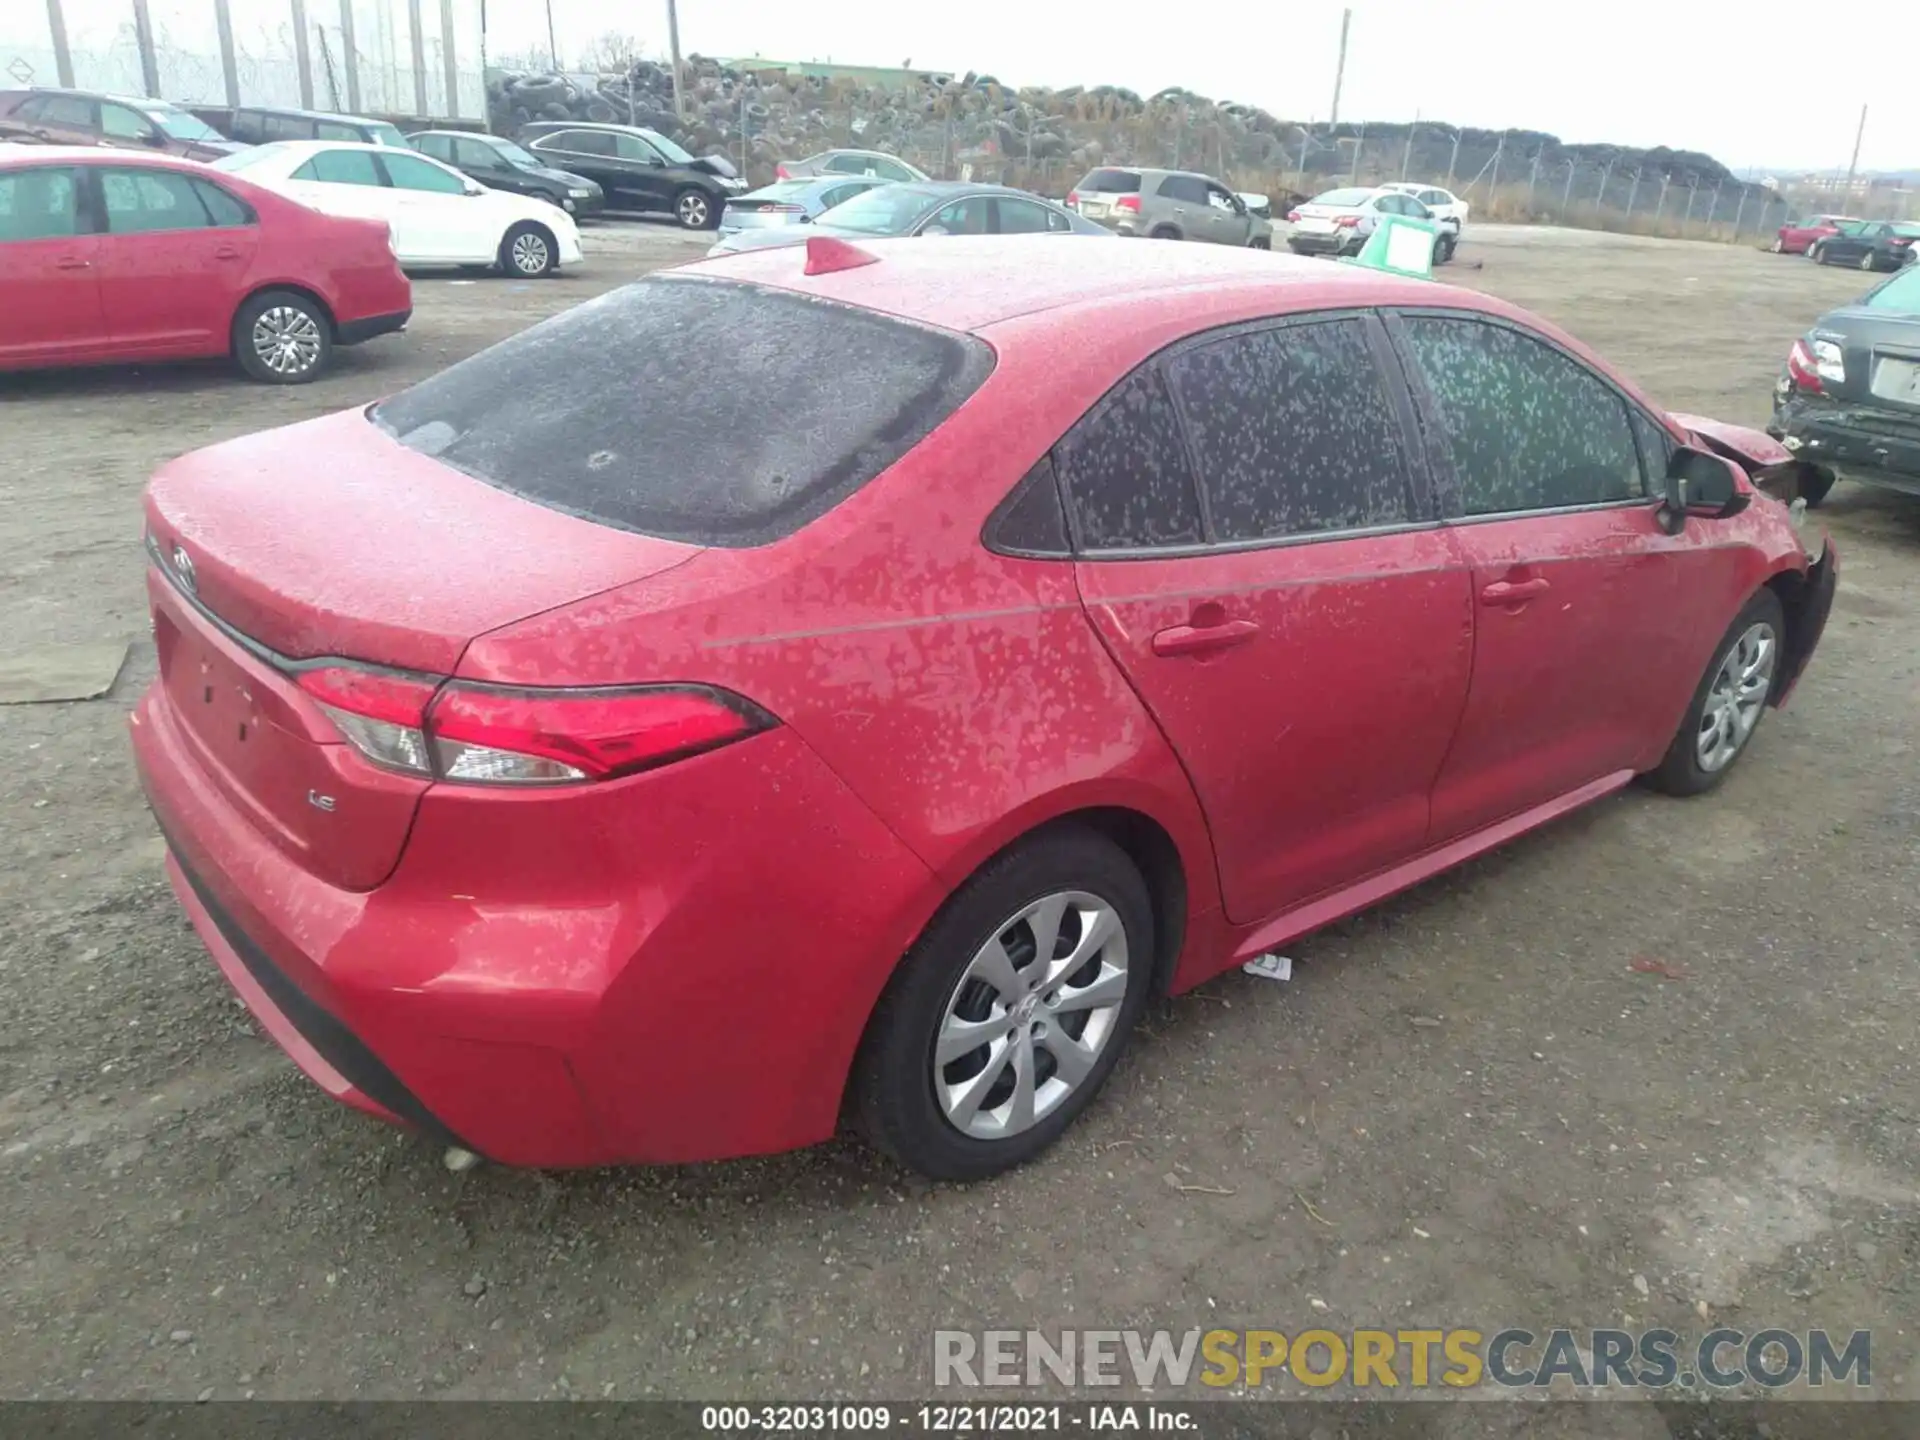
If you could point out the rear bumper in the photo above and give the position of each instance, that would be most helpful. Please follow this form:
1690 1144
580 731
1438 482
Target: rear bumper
355 332
1830 436
1314 244
672 967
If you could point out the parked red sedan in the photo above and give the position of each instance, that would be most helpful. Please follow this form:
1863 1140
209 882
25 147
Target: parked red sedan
1797 237
108 257
1053 626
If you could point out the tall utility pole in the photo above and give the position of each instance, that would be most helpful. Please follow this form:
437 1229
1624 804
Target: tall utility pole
1406 155
553 45
1339 69
1854 164
673 45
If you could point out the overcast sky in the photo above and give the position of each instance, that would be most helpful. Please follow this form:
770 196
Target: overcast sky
1752 82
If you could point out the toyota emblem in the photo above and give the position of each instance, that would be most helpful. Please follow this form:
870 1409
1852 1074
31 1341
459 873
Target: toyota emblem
183 567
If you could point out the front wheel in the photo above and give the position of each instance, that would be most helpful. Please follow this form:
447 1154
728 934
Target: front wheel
529 251
1260 242
1443 248
281 337
1866 262
695 211
1818 254
1010 1011
1729 702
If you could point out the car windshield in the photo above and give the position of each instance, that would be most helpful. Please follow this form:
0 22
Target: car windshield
1900 294
183 125
888 210
667 148
1343 199
666 407
384 134
246 159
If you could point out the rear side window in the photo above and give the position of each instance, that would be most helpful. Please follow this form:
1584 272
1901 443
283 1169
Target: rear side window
38 205
708 412
1293 431
1129 482
139 201
1528 428
1184 187
1111 182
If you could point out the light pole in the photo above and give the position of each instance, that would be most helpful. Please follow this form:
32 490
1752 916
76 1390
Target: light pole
673 45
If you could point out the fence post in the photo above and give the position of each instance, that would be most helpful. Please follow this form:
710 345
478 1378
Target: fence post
1453 161
229 72
302 61
1634 193
1660 209
143 39
1713 206
1493 178
1359 144
450 60
1566 197
350 57
1533 179
1739 210
420 58
62 56
1406 155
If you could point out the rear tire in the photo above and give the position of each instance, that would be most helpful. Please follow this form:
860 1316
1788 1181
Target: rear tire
1725 711
529 252
1818 254
281 337
1814 484
1164 232
938 1117
1260 243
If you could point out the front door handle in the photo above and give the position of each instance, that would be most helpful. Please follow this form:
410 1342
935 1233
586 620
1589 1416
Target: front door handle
1204 639
1513 592
226 252
71 262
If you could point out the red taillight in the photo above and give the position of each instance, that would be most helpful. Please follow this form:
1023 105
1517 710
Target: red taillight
1073 198
1346 222
1800 367
492 735
780 172
1813 364
1128 202
1293 217
538 736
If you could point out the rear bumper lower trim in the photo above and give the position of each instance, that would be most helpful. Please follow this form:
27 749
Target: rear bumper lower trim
353 332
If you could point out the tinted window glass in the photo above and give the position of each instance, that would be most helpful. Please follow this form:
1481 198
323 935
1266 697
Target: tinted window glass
143 200
850 165
1293 430
889 170
38 205
1022 217
1901 293
341 167
1527 427
580 142
1110 182
224 208
381 133
410 172
119 123
67 110
1656 449
632 147
1125 467
286 127
246 126
334 130
1030 521
471 155
963 217
438 146
1184 187
673 413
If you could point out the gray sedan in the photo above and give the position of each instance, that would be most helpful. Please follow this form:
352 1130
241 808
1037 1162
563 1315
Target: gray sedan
938 207
791 202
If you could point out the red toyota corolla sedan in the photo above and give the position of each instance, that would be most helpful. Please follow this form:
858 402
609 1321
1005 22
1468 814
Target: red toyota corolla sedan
109 257
838 681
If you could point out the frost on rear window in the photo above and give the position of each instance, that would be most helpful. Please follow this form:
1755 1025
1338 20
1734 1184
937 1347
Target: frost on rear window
709 412
1293 431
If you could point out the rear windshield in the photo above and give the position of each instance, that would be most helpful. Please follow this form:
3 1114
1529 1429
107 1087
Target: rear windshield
1343 197
1901 293
704 411
1111 182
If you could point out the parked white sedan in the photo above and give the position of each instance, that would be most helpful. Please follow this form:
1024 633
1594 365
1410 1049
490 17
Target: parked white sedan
437 215
1449 209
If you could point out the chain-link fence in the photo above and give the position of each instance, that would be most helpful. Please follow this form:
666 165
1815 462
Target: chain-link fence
399 58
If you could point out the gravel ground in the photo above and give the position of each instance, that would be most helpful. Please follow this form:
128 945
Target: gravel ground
1465 1109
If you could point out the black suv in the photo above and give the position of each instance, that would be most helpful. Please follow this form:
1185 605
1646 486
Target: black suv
501 164
639 169
263 124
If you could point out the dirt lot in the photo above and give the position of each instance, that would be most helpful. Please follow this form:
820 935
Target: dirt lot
1465 1108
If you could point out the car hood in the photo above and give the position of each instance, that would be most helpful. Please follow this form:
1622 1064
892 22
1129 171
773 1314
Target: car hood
716 165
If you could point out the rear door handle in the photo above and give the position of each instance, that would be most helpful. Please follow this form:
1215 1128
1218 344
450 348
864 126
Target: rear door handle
1512 592
226 252
1203 639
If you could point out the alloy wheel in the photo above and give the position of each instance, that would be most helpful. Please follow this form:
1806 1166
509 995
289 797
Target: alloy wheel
529 253
287 340
1736 697
1031 1014
693 211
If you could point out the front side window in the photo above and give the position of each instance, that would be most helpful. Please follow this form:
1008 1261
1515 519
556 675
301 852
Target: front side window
892 170
962 217
1526 427
1128 480
341 167
471 154
1294 431
117 122
844 164
39 204
632 147
410 172
141 201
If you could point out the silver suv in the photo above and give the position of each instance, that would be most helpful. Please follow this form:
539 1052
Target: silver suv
1169 205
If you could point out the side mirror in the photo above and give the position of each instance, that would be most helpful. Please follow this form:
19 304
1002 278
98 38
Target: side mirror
474 187
1701 483
154 139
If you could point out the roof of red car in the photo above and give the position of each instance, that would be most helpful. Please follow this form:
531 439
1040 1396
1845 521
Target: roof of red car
970 282
16 154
